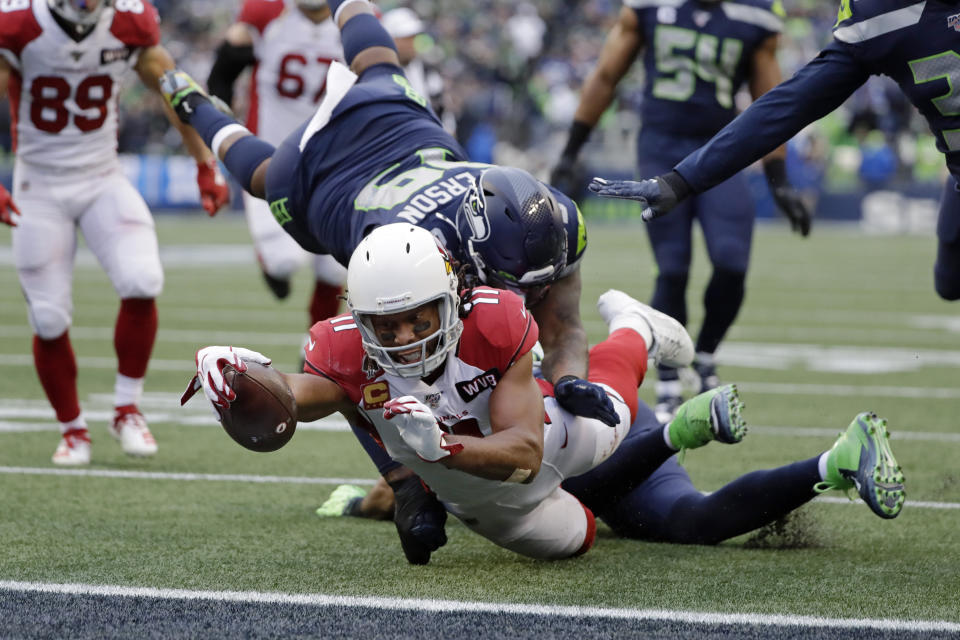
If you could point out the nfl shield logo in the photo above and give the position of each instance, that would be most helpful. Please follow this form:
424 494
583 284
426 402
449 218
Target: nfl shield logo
954 22
433 400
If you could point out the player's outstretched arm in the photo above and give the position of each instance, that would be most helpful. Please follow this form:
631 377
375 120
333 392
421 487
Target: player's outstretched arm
316 397
818 88
658 196
153 63
245 155
365 41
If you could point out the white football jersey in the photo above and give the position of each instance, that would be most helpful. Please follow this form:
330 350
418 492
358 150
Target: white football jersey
293 55
496 333
63 93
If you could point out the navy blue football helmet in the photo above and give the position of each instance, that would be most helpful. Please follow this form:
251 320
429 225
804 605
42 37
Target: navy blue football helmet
512 230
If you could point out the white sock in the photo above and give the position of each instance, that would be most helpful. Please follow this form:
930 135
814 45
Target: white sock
638 324
704 358
668 388
77 423
666 437
127 390
822 465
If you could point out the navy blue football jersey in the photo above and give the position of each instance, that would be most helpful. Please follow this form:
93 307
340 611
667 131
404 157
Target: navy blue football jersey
697 55
917 44
383 157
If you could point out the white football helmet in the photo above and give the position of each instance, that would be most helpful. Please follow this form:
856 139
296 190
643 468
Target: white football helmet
399 267
82 14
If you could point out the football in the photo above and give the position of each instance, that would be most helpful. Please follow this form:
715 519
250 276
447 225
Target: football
264 415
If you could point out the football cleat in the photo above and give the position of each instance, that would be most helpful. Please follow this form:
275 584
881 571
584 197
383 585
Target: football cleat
74 448
129 428
861 458
671 345
340 501
713 415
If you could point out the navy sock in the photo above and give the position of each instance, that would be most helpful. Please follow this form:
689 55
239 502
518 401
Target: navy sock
747 503
721 302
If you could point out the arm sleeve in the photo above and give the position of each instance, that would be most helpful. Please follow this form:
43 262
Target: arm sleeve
817 89
230 62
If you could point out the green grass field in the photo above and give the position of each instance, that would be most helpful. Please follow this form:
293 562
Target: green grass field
833 325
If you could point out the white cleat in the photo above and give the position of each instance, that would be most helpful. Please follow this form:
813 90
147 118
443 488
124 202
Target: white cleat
671 344
130 430
74 449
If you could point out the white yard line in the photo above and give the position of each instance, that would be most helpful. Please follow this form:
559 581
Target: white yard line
498 608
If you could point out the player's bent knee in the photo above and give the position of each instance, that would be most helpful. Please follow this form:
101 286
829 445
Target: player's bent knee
49 321
140 283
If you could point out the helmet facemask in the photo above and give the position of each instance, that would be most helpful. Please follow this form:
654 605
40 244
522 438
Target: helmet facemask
81 16
396 269
311 5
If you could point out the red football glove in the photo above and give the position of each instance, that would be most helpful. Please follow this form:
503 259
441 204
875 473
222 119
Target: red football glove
7 208
214 192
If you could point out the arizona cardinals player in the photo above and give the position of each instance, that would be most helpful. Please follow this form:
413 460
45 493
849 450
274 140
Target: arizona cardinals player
290 45
443 380
61 62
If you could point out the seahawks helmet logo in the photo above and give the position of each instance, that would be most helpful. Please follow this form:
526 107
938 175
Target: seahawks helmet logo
473 209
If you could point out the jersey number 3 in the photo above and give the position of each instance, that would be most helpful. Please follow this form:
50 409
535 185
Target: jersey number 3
942 65
683 55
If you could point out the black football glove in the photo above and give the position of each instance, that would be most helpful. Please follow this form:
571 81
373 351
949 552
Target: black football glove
568 177
657 195
420 519
792 205
787 198
583 398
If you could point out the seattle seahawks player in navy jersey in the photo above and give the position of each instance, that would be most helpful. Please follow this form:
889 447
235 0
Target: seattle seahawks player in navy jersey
917 44
696 55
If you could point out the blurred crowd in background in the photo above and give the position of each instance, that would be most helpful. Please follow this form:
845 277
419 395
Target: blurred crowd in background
512 74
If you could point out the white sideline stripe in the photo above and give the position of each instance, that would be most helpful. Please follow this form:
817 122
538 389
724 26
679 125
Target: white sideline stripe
160 475
215 477
455 606
939 393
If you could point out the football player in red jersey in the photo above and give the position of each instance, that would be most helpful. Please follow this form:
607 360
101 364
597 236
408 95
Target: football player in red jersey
289 46
443 380
61 62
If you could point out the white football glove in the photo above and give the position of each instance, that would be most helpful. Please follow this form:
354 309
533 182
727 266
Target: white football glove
419 429
210 363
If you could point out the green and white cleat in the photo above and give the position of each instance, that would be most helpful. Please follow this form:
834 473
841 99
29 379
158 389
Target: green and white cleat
861 458
336 505
713 415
